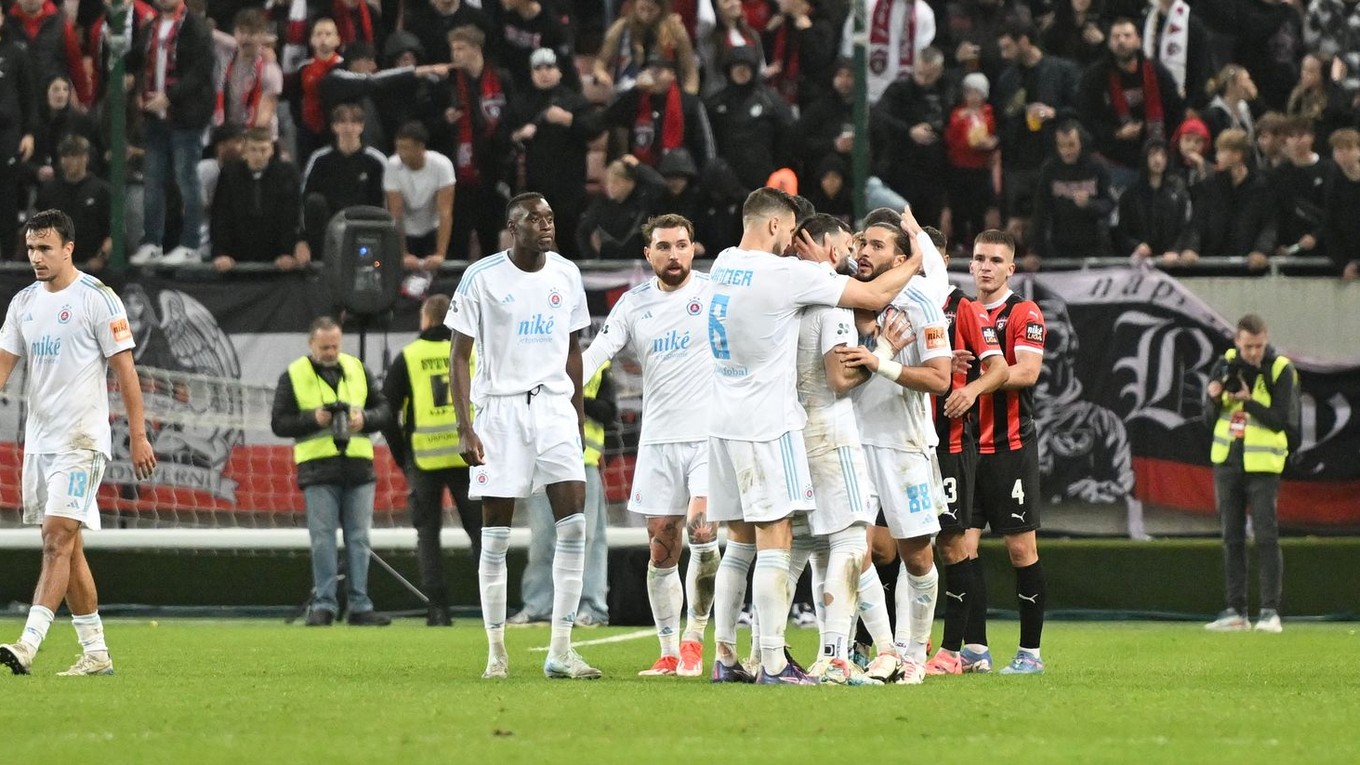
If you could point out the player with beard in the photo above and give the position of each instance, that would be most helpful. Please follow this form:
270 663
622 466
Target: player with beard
663 322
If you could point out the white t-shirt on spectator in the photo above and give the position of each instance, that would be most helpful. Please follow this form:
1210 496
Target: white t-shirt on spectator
419 188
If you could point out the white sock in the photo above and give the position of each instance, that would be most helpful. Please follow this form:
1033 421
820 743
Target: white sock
699 583
917 602
729 592
873 609
1032 652
770 592
666 596
818 563
90 632
845 561
568 571
491 579
35 629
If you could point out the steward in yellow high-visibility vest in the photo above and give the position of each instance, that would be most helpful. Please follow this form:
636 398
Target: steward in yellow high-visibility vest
328 403
423 437
1253 406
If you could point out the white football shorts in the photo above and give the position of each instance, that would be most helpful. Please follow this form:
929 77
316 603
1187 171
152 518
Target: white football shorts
528 442
845 492
758 481
667 476
63 484
908 488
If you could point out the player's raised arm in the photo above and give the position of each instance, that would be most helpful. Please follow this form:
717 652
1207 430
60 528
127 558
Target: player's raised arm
143 457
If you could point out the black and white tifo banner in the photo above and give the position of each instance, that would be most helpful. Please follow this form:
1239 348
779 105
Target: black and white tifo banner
1119 401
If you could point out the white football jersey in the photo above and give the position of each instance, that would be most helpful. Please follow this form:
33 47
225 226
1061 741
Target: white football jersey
522 323
893 416
67 338
753 323
667 332
933 281
830 417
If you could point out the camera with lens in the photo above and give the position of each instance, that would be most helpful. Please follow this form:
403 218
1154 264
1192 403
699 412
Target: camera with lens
1235 375
339 424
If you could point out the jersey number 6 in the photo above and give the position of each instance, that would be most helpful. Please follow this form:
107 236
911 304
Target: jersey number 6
717 327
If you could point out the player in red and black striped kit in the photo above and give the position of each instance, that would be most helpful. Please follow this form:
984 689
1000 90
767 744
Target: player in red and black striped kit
973 338
1007 487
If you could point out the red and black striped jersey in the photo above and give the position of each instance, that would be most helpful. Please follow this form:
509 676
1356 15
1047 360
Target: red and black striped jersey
1006 417
970 329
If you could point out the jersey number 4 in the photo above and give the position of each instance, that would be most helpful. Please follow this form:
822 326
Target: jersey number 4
717 327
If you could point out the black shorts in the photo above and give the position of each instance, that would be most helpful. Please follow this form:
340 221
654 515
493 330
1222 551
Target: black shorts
957 472
1006 491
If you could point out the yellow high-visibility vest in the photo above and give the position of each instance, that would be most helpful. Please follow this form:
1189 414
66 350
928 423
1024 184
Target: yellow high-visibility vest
1263 450
594 431
311 392
434 423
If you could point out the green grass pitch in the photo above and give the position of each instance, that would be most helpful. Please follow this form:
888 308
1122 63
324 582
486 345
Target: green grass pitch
261 692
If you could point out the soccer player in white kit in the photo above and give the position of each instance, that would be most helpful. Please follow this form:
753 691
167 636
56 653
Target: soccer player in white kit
758 472
664 322
899 439
70 328
524 309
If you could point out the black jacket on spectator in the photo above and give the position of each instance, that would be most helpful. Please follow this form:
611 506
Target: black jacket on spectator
346 180
818 127
18 97
1062 228
255 219
1052 81
968 21
916 171
58 125
815 49
753 128
287 421
432 28
1100 119
193 97
519 37
490 142
619 224
1158 217
87 202
1300 199
1341 231
1232 220
623 111
390 98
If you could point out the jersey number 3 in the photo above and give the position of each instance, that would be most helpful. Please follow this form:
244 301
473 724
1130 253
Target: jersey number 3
717 327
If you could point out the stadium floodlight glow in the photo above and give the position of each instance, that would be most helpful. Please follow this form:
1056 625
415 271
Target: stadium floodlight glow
363 259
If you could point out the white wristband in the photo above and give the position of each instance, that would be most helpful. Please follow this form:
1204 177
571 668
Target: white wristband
889 369
884 350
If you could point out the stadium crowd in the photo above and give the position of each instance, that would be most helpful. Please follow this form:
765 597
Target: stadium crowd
1159 130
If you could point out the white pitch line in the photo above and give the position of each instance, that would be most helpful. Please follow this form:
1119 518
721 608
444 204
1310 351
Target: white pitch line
624 638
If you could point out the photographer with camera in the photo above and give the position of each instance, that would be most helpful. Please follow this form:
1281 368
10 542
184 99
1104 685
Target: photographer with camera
1253 406
328 402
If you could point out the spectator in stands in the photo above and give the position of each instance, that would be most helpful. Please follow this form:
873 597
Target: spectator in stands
1126 99
391 97
1072 203
1300 188
899 32
53 44
648 31
802 47
1154 213
555 125
419 187
611 228
907 126
177 99
1341 225
61 116
97 48
248 93
430 21
1232 92
1174 37
1077 32
972 145
659 116
526 26
256 209
829 191
85 198
1270 140
1189 147
730 30
1233 215
226 144
303 88
825 127
753 127
681 195
345 174
1332 30
471 131
970 38
1035 94
335 474
356 22
421 435
1318 98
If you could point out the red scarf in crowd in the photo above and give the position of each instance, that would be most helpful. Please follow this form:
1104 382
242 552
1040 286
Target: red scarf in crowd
252 96
880 37
787 55
344 22
491 103
1152 99
313 110
672 126
141 15
170 43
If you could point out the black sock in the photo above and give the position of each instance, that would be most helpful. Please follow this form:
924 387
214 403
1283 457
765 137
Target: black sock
1031 591
958 595
975 631
888 574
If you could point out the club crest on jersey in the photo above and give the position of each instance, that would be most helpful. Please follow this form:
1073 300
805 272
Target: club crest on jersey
1034 332
64 315
694 307
481 478
555 299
